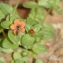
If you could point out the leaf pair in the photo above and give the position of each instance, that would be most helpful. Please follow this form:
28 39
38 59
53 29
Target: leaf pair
36 16
51 4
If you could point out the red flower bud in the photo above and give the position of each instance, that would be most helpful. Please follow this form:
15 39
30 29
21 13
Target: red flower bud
31 31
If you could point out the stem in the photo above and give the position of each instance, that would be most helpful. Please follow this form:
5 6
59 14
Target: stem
15 8
4 33
33 60
36 9
11 2
47 14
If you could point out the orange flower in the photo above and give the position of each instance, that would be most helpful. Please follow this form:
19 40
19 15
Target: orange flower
18 26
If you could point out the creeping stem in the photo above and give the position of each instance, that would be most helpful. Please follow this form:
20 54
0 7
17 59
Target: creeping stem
47 14
16 6
4 33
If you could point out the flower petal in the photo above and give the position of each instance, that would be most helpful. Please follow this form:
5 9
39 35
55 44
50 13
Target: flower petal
17 21
23 24
22 30
13 27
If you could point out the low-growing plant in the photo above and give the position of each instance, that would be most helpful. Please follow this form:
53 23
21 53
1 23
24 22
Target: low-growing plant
26 37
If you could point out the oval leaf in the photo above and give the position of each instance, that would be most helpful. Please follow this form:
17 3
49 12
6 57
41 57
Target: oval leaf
1 15
30 5
19 61
5 8
12 61
5 24
38 27
58 10
2 60
14 38
38 61
27 41
48 31
7 50
39 49
8 44
36 16
16 55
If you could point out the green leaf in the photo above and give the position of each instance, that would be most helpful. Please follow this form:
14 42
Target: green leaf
48 26
8 44
39 49
31 21
1 15
58 10
40 15
57 1
16 55
6 24
38 61
27 41
12 61
38 39
43 42
47 35
42 2
14 38
45 3
34 55
5 8
19 61
37 27
7 50
19 50
28 27
2 60
26 62
30 5
48 3
25 59
36 16
12 17
38 35
48 31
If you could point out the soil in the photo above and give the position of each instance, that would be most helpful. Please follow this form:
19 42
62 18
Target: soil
55 45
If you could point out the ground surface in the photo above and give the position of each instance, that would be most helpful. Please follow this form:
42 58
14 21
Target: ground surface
55 45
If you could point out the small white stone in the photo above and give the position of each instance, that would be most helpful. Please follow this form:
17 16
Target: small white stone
53 57
56 26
